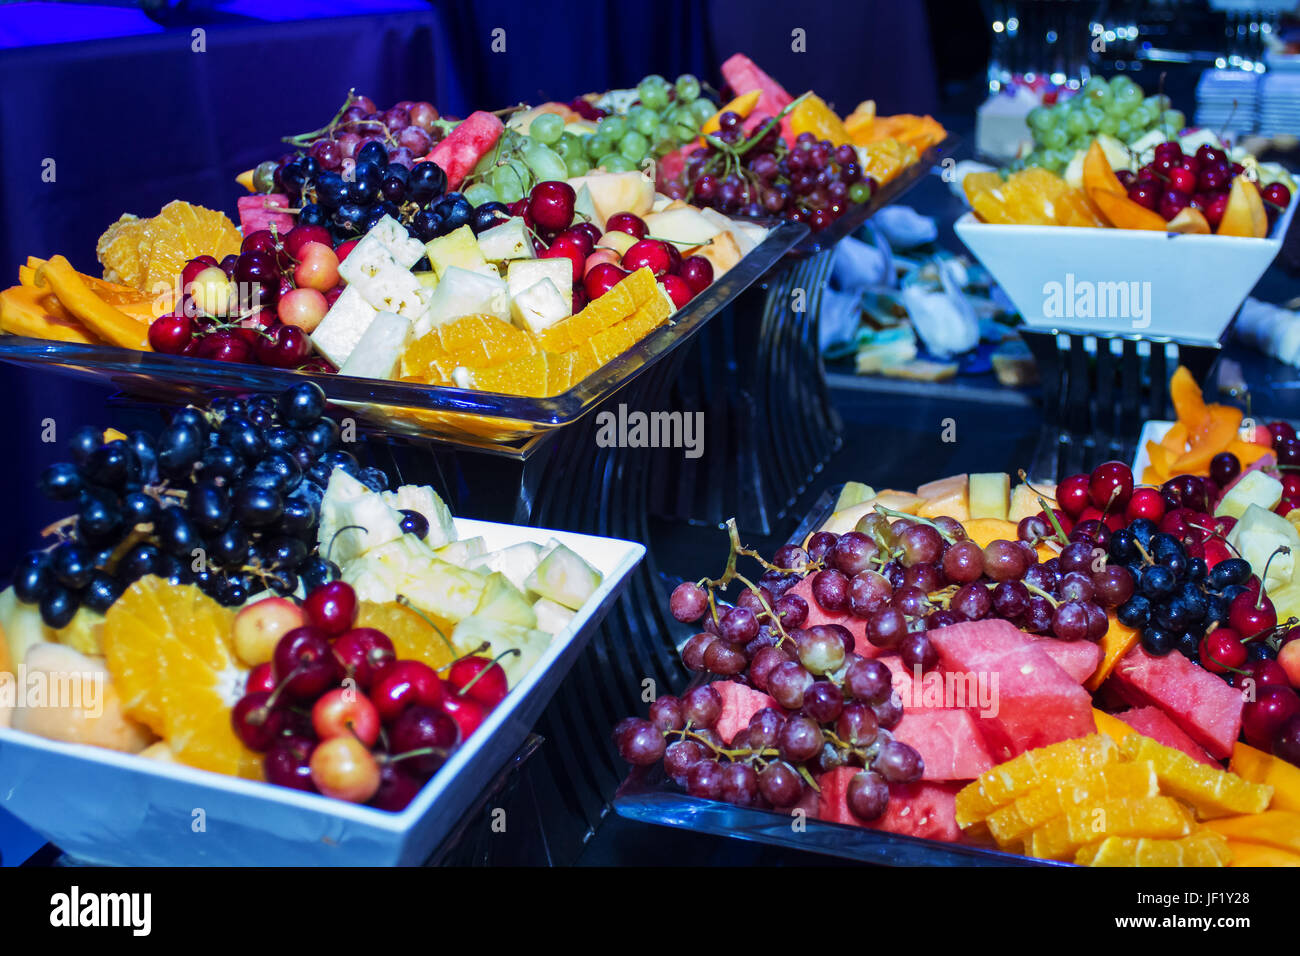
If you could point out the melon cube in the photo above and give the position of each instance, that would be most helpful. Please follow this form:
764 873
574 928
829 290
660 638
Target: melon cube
947 496
503 242
394 237
1025 504
522 274
990 495
458 248
853 493
343 325
380 348
462 292
539 306
1259 532
1254 488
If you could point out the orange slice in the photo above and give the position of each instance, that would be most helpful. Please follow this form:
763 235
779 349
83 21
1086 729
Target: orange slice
1119 781
1066 760
1211 792
522 376
142 253
413 637
169 650
1202 848
1154 817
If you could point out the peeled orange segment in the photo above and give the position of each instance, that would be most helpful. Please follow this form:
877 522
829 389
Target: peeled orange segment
1062 761
976 183
559 371
413 637
168 649
522 376
142 253
1202 848
1210 791
1120 781
1074 209
472 341
619 303
1062 837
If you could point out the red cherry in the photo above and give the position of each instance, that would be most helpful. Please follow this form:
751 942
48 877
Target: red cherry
1215 551
648 253
285 347
224 346
1066 523
1073 495
1213 210
260 241
467 712
261 679
363 653
258 327
423 728
489 690
169 334
674 259
570 248
193 268
698 273
1182 179
332 607
626 222
288 763
1277 194
345 712
1280 431
1222 651
1145 503
1267 673
229 264
551 205
678 289
581 236
588 229
1247 619
1146 195
602 278
397 787
1264 716
304 663
402 684
299 236
345 249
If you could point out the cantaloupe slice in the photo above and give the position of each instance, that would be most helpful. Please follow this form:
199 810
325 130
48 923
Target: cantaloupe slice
1244 214
1259 767
1189 404
1124 213
1190 222
1098 177
1118 641
1211 438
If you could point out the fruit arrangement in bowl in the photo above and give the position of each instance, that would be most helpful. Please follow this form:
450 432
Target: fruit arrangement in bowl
983 665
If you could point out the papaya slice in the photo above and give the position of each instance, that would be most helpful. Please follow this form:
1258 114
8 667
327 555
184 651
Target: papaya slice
1244 214
1176 438
1248 452
1162 458
1189 404
29 312
1210 439
1124 213
1097 174
1190 222
1117 641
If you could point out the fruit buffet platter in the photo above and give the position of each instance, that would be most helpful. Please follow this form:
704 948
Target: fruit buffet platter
978 671
244 617
482 279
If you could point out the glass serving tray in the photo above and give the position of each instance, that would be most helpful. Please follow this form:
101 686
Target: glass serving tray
482 420
649 796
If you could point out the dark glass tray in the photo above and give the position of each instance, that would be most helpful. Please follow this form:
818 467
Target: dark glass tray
507 424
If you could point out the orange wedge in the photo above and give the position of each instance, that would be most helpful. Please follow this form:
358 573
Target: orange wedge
1008 781
1211 792
1202 848
1124 213
169 650
144 253
1120 781
413 637
526 375
1154 817
1191 222
1244 215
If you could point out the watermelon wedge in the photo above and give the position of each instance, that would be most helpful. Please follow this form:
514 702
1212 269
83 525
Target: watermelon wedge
1152 722
1077 658
742 75
948 741
465 145
739 705
1206 708
262 211
925 810
1038 703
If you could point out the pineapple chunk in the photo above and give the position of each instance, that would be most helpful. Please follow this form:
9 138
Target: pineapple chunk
458 248
1254 488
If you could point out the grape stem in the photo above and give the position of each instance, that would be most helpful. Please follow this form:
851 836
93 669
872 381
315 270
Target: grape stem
306 139
1034 589
1050 512
889 512
729 154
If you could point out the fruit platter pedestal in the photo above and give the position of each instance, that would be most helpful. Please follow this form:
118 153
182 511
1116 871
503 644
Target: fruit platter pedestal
1098 389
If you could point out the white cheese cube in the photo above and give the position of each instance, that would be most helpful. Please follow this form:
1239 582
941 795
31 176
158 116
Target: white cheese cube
398 241
464 292
343 325
524 273
380 349
509 240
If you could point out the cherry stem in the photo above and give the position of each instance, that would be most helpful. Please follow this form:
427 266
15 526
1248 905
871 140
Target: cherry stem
1281 549
479 676
421 752
335 536
1061 536
1146 555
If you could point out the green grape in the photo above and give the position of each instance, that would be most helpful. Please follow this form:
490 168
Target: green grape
1109 125
1119 107
645 122
611 127
663 145
1055 159
1033 159
1076 123
1079 143
1059 112
577 165
1039 119
598 145
1125 133
859 192
480 193
633 145
683 125
511 181
653 92
1141 117
1094 113
1173 121
1157 103
702 110
1119 81
1055 138
616 163
1097 91
569 145
688 88
543 161
546 129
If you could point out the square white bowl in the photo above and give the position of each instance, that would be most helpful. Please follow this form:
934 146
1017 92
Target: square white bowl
101 806
1190 286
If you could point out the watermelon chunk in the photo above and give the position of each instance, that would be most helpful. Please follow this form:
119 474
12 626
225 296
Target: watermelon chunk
937 689
948 741
739 704
742 75
260 211
1152 722
1196 700
1077 658
817 615
465 145
1037 702
925 810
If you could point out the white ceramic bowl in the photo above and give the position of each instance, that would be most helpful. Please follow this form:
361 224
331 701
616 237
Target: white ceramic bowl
101 806
1152 284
